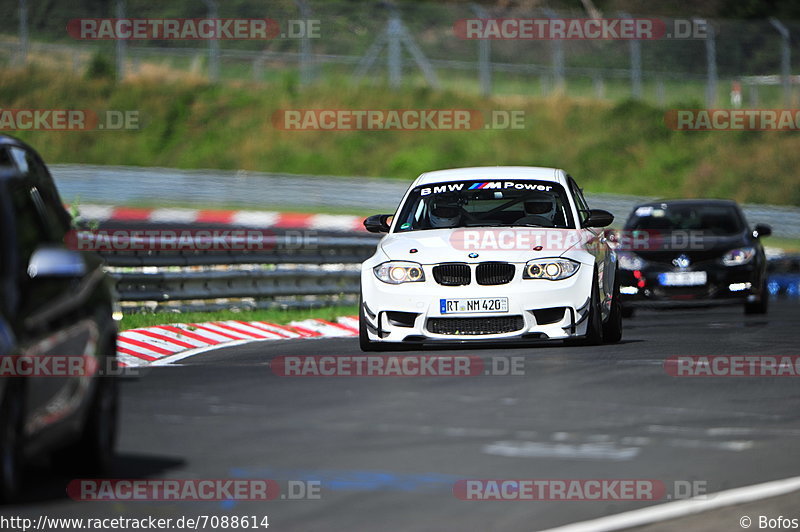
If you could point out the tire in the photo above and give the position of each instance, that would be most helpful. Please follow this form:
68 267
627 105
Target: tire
12 415
366 345
93 452
612 328
762 305
594 327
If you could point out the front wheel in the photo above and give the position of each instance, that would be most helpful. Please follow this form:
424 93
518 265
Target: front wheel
364 342
612 328
594 326
94 450
761 306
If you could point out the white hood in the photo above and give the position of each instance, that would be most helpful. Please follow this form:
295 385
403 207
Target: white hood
507 244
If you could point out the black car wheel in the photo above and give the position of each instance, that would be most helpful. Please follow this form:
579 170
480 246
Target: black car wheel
364 342
594 327
612 328
761 305
93 452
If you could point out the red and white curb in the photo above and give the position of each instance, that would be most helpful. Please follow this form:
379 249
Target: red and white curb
165 344
283 220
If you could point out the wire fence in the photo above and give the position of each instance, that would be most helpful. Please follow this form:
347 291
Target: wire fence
720 63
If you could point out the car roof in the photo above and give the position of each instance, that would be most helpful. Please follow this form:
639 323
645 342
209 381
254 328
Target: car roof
692 201
492 173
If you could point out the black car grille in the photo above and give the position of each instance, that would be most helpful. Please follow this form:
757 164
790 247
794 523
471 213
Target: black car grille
475 326
489 273
452 274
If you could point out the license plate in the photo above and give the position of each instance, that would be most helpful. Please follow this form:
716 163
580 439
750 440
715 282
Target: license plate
683 278
477 304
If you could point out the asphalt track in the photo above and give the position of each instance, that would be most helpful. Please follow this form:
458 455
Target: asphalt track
388 450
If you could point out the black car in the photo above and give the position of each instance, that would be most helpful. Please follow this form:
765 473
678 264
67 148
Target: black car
55 304
692 252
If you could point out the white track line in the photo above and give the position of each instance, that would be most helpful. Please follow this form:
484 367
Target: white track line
676 509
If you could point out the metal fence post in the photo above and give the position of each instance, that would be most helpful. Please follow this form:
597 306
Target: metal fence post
484 57
557 55
636 64
213 44
305 44
23 32
599 86
120 44
711 63
394 58
786 56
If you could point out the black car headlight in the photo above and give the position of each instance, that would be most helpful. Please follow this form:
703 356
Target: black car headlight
397 272
630 261
550 269
738 256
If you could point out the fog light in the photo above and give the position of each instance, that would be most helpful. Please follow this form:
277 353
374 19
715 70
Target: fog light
738 287
628 290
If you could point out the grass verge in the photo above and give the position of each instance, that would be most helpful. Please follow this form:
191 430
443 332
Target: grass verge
620 147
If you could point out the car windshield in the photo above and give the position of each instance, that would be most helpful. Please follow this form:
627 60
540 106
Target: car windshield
485 203
707 218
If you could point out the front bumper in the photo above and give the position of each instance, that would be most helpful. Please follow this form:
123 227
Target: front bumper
724 286
538 309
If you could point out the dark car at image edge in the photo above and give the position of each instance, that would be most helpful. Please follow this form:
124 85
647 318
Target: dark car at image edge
692 252
55 303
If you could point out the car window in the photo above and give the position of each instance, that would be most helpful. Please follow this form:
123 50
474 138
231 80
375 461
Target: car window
31 230
716 219
498 203
56 216
580 201
5 159
20 158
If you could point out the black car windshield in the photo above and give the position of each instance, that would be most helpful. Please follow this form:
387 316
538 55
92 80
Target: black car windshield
486 203
715 219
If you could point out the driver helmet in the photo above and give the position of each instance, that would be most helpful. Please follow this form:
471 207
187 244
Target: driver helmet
540 204
445 211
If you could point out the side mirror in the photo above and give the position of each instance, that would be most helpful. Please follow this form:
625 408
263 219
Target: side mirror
378 223
762 230
50 262
598 218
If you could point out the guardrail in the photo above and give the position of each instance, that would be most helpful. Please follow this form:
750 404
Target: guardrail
275 250
120 185
284 273
324 271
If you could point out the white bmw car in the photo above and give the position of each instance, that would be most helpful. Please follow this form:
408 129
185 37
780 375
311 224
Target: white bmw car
490 254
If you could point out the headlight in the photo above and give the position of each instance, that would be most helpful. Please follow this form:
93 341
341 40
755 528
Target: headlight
551 269
629 261
397 272
739 256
